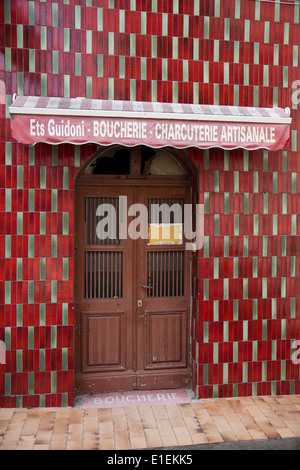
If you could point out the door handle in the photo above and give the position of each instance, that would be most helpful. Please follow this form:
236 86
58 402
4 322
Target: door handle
146 287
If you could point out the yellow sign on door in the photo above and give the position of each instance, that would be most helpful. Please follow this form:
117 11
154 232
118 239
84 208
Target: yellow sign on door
165 234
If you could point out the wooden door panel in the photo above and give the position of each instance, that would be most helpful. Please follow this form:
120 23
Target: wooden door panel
104 341
104 354
165 339
163 290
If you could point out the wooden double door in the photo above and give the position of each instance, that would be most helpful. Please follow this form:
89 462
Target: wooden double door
132 286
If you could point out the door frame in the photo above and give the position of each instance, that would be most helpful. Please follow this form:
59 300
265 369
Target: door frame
115 380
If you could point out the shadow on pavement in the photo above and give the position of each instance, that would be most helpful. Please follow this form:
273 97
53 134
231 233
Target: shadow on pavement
265 444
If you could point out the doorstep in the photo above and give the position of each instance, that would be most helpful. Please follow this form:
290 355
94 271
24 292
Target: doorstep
134 398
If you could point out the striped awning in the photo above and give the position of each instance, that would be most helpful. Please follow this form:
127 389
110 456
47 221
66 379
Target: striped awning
79 120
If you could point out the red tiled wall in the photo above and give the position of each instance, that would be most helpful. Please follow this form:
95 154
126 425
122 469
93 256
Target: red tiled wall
246 278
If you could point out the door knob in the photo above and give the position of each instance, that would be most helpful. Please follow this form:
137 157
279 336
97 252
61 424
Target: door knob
146 287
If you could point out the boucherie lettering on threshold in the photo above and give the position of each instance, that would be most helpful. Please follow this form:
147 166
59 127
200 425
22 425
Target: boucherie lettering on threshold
155 133
134 398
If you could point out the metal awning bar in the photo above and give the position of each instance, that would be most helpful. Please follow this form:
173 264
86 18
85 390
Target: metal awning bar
149 110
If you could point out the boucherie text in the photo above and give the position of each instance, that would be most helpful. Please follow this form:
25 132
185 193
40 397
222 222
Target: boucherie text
156 133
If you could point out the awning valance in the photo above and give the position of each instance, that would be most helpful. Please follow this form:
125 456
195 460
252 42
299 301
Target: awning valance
79 120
